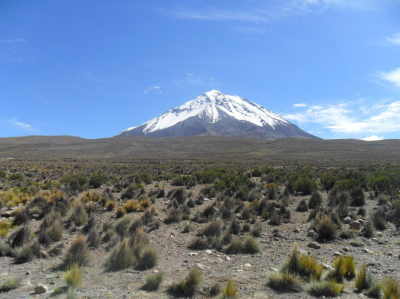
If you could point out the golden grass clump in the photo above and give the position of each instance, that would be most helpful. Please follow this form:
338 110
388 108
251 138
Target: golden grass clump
5 226
230 291
391 289
145 204
187 286
303 265
122 256
344 266
91 196
78 252
285 282
10 283
153 282
326 288
73 276
110 205
130 206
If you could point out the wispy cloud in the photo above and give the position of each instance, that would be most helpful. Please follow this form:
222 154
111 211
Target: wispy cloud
16 40
392 76
21 125
373 138
153 88
300 105
349 118
395 39
267 12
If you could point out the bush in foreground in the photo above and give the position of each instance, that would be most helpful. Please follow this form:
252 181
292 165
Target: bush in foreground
78 252
326 288
10 283
188 285
391 289
229 291
73 276
153 282
285 282
122 257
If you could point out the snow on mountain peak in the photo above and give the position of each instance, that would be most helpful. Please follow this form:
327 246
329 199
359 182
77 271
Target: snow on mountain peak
212 106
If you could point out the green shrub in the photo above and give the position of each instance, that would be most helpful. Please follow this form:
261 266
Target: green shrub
10 283
55 231
250 246
344 266
303 265
215 289
5 226
79 215
122 257
73 276
147 258
391 289
77 252
110 205
326 288
187 286
153 282
302 206
325 227
229 291
96 180
315 200
174 215
285 282
305 186
212 229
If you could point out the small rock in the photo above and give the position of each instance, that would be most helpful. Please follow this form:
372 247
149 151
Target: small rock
248 265
28 273
355 225
208 251
227 258
366 250
193 253
347 220
310 233
337 253
41 289
201 266
314 245
345 249
327 267
274 269
302 251
296 230
35 216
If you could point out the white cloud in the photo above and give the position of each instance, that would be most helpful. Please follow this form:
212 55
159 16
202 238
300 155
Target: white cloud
271 10
342 118
16 40
21 125
393 76
300 105
153 88
373 138
395 39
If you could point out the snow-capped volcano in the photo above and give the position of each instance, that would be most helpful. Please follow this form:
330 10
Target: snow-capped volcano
214 113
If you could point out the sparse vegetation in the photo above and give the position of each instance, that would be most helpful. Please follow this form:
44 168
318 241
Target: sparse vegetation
188 285
153 282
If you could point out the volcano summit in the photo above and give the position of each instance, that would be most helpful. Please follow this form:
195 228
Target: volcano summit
214 113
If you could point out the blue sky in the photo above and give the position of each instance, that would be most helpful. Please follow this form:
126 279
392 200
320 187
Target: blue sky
93 68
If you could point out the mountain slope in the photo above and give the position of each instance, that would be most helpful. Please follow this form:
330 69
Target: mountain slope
214 113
